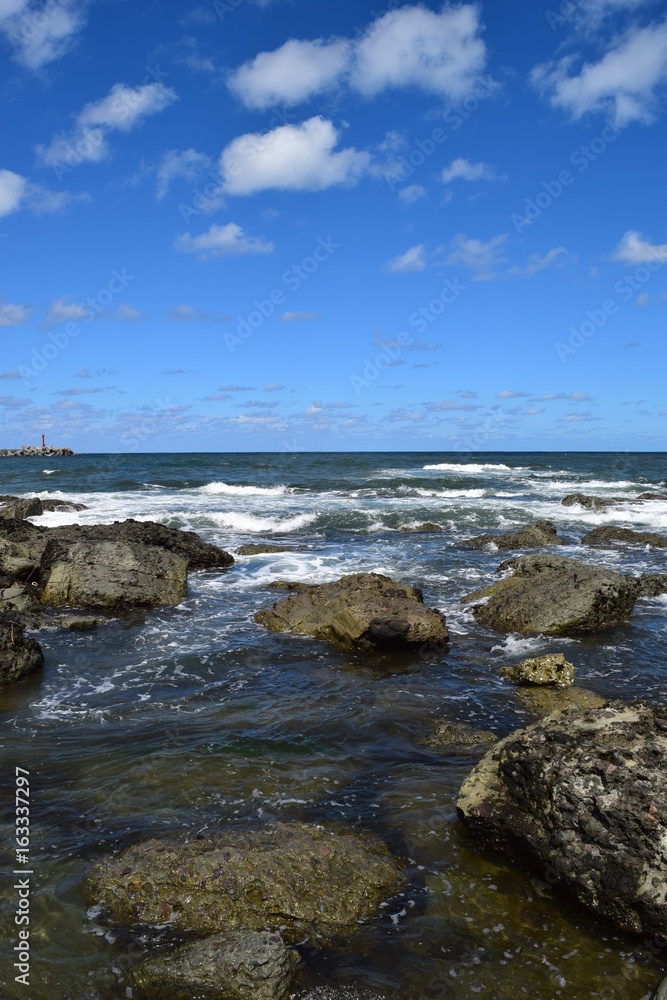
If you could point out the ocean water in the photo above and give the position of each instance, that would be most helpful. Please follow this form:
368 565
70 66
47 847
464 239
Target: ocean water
193 718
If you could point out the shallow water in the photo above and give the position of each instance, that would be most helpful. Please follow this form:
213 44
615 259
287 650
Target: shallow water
195 717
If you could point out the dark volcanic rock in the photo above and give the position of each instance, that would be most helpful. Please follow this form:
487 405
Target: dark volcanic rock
651 496
238 965
19 656
555 596
21 547
363 611
63 505
261 549
653 584
583 794
535 536
422 528
20 507
301 879
591 503
608 536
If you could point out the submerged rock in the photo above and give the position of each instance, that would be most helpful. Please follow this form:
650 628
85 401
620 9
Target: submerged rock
23 507
536 536
261 549
425 527
607 536
19 656
363 611
457 734
652 496
238 965
591 503
111 576
584 794
555 596
550 670
541 701
301 879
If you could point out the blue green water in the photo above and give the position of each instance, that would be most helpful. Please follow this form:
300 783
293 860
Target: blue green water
195 717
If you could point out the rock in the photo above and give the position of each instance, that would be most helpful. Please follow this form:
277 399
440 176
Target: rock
535 536
591 503
111 576
541 701
81 623
555 596
21 547
257 550
653 585
18 597
20 507
31 451
457 734
238 965
361 611
552 669
287 585
307 882
19 656
584 795
63 505
651 496
607 536
426 526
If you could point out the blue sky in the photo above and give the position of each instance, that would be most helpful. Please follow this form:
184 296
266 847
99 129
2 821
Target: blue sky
286 225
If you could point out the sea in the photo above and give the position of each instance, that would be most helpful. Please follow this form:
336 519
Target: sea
193 719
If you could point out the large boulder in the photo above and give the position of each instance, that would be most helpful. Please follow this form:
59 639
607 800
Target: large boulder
542 671
237 965
19 656
307 882
536 536
20 507
591 503
555 596
584 795
653 584
607 536
21 547
111 576
361 611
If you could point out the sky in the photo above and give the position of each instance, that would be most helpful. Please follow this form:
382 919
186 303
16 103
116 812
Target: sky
282 225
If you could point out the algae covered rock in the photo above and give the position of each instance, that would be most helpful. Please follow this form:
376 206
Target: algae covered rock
21 546
237 965
536 536
541 701
424 528
301 879
608 536
20 656
555 596
591 503
552 669
584 795
261 549
361 611
448 734
20 507
653 584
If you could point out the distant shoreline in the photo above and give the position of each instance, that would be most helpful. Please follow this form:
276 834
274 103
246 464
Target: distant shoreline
30 451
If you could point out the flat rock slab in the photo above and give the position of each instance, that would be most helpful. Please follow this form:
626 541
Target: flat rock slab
238 965
583 794
458 735
608 537
555 596
537 535
261 549
541 701
301 879
363 611
20 656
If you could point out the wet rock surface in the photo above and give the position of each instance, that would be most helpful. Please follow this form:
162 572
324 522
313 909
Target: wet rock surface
653 584
585 794
22 507
239 965
550 670
537 535
20 655
541 701
448 734
555 596
422 528
608 536
591 503
261 549
362 611
298 878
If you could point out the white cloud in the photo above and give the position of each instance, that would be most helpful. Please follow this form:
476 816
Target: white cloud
635 249
411 46
537 263
477 255
222 241
409 195
291 157
13 315
40 32
510 394
128 313
18 192
190 314
300 317
590 13
461 169
12 191
290 74
122 109
188 164
624 82
411 260
64 309
642 300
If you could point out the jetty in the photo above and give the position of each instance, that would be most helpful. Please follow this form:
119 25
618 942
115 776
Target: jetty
34 451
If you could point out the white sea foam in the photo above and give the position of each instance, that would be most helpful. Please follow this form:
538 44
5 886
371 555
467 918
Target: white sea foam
48 472
252 523
471 468
227 489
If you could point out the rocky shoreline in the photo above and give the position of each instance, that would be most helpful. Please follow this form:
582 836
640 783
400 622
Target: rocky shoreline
581 792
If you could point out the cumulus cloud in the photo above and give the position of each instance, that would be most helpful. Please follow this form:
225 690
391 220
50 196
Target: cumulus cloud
480 257
411 260
291 157
623 83
300 317
222 241
187 163
537 262
40 33
191 314
121 110
17 192
12 191
462 169
13 315
441 53
510 394
635 249
573 397
412 193
64 310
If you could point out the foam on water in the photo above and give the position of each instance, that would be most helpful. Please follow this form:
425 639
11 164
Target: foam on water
472 467
254 524
225 489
